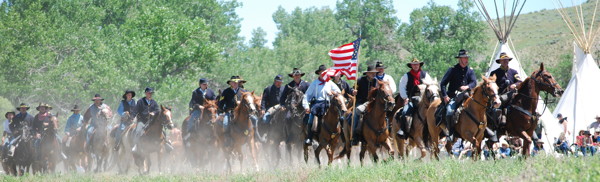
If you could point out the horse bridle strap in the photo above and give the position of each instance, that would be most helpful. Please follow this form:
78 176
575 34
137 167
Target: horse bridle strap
519 108
475 120
328 130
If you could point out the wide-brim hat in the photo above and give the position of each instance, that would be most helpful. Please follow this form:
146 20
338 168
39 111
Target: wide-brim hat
503 56
203 81
462 54
76 108
587 132
149 90
234 79
97 97
321 69
242 79
296 71
47 106
127 92
379 64
370 69
414 61
23 105
9 112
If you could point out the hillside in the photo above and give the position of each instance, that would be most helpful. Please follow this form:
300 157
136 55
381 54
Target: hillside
543 36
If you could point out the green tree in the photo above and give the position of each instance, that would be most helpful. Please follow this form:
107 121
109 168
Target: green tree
258 39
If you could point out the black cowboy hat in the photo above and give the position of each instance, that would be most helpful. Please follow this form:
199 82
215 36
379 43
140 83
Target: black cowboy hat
379 64
48 107
296 71
370 69
242 79
321 69
503 56
587 132
9 112
462 54
23 105
149 90
234 79
203 81
127 92
97 97
76 108
414 61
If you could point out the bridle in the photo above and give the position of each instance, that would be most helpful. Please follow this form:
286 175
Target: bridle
381 94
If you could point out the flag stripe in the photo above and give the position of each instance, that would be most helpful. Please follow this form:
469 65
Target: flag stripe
345 59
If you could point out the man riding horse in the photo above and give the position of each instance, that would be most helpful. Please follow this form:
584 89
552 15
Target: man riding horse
94 118
364 86
316 101
23 115
16 125
42 119
343 85
74 122
146 109
271 99
229 99
455 86
196 105
507 80
410 93
126 111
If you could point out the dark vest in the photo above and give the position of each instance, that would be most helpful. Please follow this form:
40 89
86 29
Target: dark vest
411 88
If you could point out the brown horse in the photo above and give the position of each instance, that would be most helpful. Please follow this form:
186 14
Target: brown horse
330 128
49 148
418 135
240 131
153 140
75 151
21 161
472 120
375 126
521 119
98 148
432 92
123 157
199 145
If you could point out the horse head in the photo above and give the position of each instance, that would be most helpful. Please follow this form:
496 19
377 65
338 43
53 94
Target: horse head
432 92
545 81
248 101
293 101
210 110
166 117
490 91
382 94
338 102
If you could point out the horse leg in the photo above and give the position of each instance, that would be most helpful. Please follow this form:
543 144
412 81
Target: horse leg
305 153
330 150
363 150
402 148
317 152
373 150
253 149
388 146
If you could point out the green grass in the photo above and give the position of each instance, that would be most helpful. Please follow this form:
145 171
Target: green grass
533 169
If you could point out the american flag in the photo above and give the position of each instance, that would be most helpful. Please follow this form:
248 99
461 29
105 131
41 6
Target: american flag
328 73
345 59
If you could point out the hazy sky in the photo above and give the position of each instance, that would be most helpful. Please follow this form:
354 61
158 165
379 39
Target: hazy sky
258 13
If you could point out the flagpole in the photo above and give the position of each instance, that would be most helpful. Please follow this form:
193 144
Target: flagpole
355 86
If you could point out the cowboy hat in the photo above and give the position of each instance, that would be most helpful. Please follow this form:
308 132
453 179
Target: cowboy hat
127 92
414 61
370 69
503 56
97 97
75 108
296 71
149 90
23 105
234 79
321 69
462 54
242 79
203 81
9 112
379 64
48 107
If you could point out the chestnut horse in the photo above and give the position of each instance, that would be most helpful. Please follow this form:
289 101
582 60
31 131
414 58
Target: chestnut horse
330 128
152 140
375 126
200 145
241 131
521 118
472 120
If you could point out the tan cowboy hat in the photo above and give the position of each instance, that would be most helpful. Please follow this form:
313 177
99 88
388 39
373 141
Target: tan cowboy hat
48 107
503 56
414 61
370 69
296 71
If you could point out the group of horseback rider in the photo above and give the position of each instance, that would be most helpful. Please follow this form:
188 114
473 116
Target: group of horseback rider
455 87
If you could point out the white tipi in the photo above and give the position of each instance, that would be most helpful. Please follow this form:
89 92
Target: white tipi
502 27
579 101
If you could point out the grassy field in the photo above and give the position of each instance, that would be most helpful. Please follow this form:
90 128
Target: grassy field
534 169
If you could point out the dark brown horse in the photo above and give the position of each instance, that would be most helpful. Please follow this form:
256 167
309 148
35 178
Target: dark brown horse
75 151
123 157
200 144
472 121
49 148
98 148
330 128
152 141
521 119
375 131
241 131
286 126
21 161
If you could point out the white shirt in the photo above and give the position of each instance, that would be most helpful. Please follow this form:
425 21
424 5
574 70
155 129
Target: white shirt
320 92
404 81
6 127
391 82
